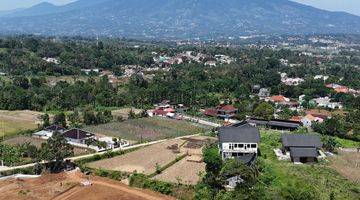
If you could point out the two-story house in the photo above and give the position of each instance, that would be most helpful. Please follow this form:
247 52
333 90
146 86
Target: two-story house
241 142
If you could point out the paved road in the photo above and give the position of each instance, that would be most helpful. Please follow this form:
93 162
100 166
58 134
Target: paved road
4 168
202 121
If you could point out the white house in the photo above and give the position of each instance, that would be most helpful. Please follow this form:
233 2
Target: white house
326 103
51 60
49 131
241 142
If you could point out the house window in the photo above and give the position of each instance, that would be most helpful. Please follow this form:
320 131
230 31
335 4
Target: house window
253 145
241 145
236 145
231 146
248 145
234 155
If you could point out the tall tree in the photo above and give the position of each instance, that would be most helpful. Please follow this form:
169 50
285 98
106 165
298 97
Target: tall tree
264 111
60 119
55 151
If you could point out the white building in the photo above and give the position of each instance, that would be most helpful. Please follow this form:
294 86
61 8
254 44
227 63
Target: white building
51 60
325 102
241 142
49 131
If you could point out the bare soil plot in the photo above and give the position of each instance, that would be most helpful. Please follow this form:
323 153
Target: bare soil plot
348 165
143 160
67 186
19 140
194 145
12 122
52 80
124 112
186 171
147 129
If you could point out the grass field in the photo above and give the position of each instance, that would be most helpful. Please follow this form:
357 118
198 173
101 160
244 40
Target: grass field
12 122
147 129
320 178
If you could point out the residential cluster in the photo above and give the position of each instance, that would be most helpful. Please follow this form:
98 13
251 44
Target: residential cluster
82 138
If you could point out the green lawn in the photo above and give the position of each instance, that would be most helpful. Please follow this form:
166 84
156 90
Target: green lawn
279 177
347 143
147 129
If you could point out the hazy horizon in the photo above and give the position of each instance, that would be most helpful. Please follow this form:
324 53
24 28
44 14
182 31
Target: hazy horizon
350 6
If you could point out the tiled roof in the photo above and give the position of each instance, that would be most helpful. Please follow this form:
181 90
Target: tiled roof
77 134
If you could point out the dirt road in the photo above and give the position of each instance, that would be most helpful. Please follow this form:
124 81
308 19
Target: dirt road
68 186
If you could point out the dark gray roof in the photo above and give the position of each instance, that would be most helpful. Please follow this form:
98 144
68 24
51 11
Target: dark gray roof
54 128
303 152
274 122
301 140
258 121
245 133
77 134
284 124
247 159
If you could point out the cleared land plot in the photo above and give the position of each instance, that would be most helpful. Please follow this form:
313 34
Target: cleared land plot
12 122
52 80
124 112
147 129
143 160
68 186
348 165
188 170
19 140
185 171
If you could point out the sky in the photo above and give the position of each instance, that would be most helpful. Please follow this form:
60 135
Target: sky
351 6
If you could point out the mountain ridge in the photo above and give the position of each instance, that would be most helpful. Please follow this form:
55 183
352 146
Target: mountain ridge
182 19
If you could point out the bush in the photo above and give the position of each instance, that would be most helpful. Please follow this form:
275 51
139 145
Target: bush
142 181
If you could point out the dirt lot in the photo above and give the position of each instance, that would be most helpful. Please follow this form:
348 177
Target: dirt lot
37 142
348 165
52 80
124 112
67 186
12 122
143 160
186 171
147 129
